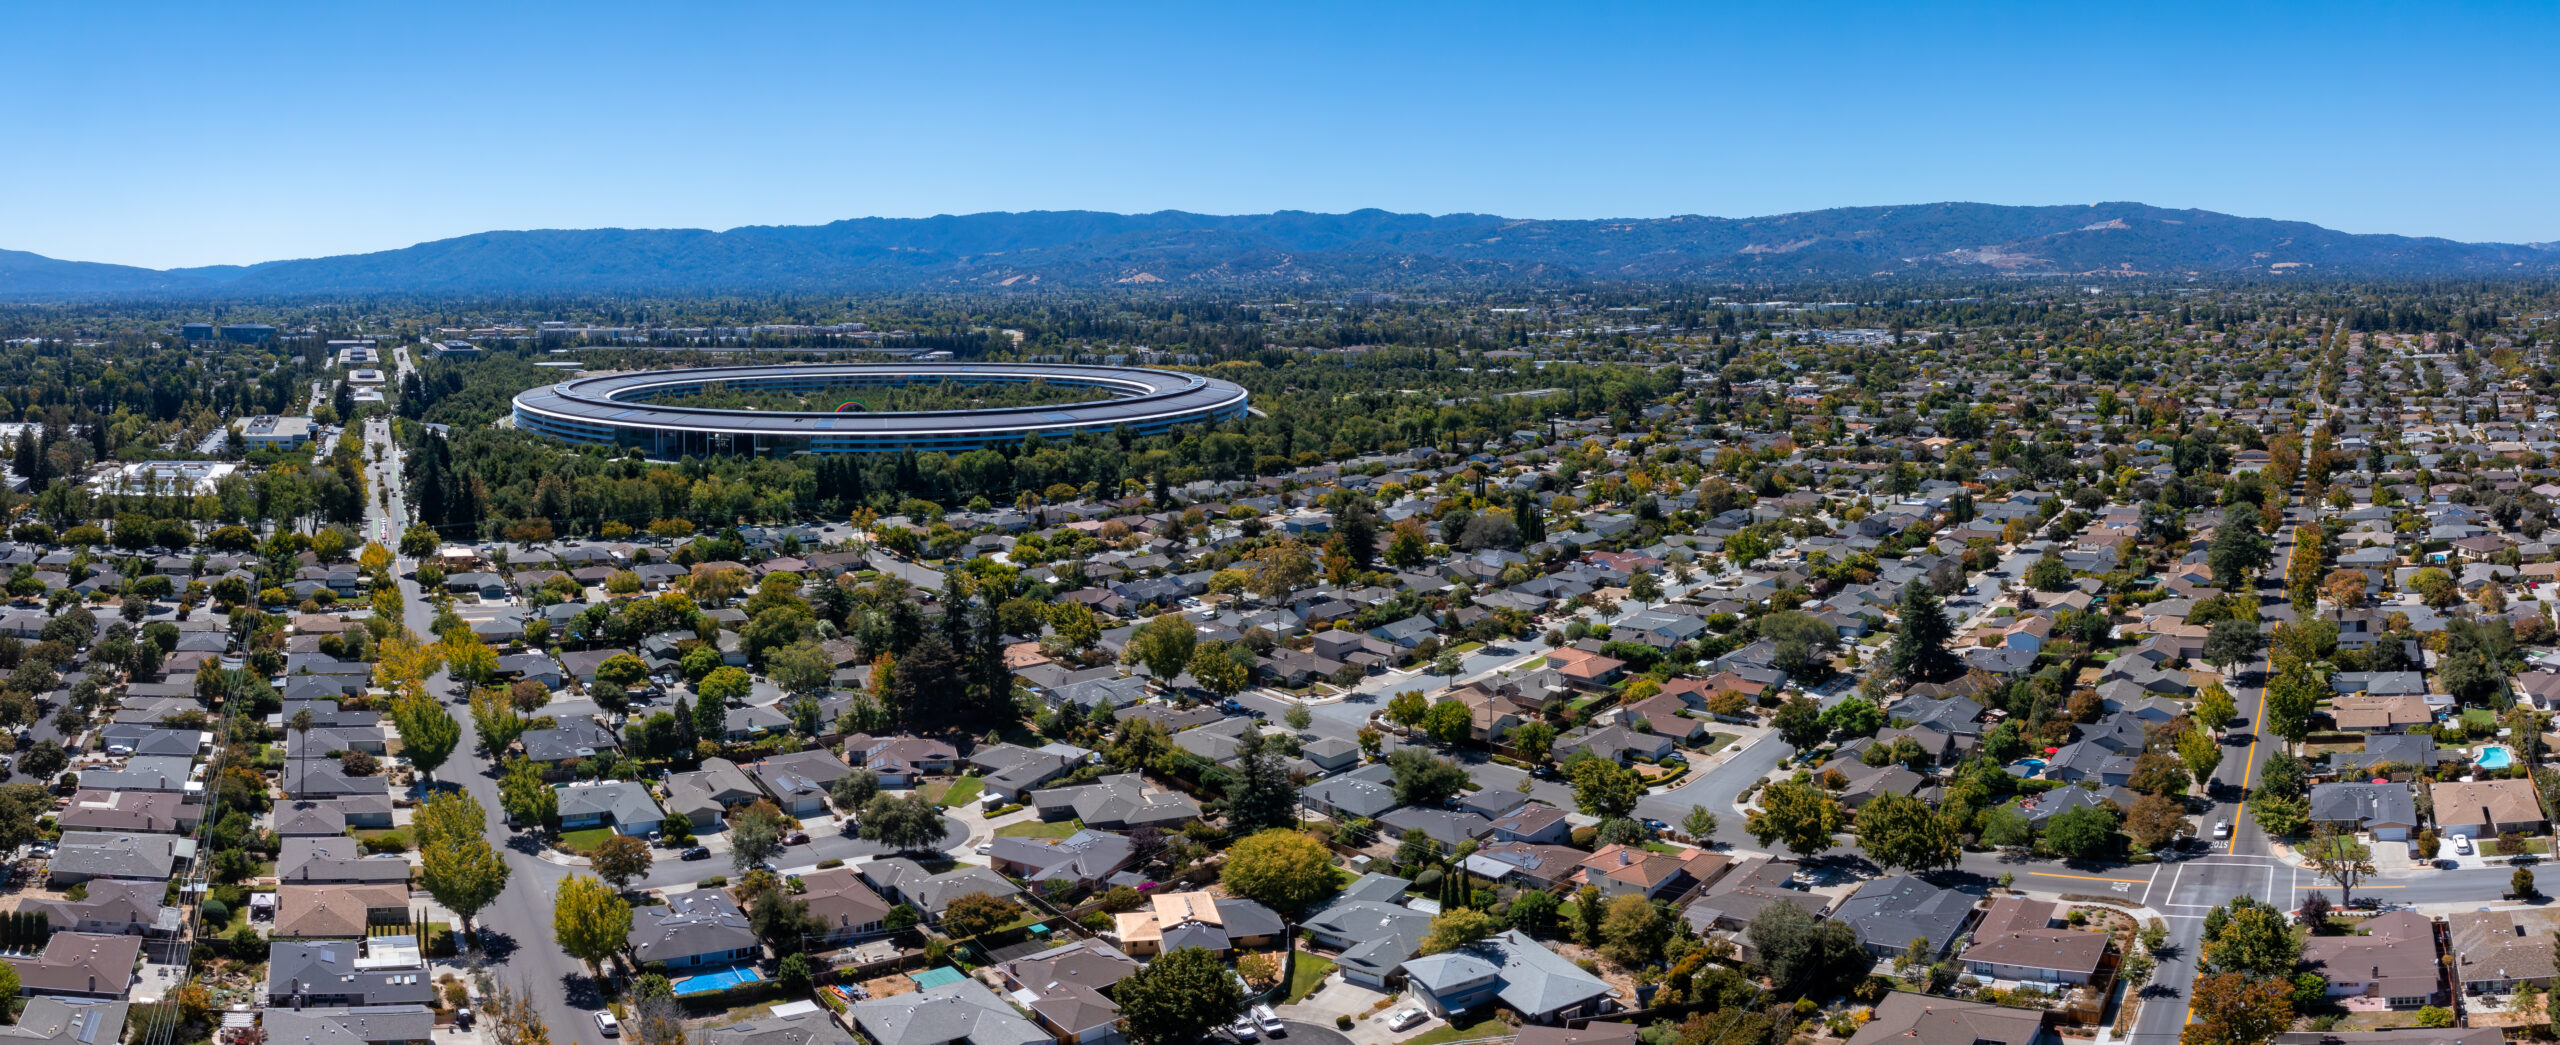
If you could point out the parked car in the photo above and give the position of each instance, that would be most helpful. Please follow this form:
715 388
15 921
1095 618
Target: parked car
1269 1021
797 838
2221 830
1243 1029
698 853
1405 1017
611 1028
2462 844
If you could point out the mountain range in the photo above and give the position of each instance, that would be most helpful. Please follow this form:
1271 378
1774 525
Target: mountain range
1086 249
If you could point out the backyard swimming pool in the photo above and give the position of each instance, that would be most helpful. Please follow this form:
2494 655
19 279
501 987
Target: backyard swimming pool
717 981
2493 756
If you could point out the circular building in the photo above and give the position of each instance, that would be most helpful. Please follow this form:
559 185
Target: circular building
627 409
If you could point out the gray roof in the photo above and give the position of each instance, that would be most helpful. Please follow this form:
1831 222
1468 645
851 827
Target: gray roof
142 773
1891 912
68 1021
1903 1018
706 788
314 861
2363 804
1081 857
625 801
808 1028
148 857
801 773
572 738
1119 800
1535 981
901 878
704 921
350 1026
329 968
965 1011
1366 791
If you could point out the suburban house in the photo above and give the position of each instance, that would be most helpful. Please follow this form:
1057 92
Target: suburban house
847 907
2390 811
1904 1018
1065 989
83 855
1116 802
1507 968
623 805
962 1012
1084 858
798 781
80 965
1371 927
376 970
2024 940
338 912
1890 913
692 929
904 881
2485 808
1215 924
901 760
2494 954
2394 967
707 794
113 906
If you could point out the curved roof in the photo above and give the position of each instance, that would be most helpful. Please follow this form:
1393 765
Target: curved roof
622 399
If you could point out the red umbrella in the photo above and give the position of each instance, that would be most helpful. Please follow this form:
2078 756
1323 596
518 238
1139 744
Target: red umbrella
2053 751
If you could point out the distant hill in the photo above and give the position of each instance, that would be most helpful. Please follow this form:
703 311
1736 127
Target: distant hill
1050 249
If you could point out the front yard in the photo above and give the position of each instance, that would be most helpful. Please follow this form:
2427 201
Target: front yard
1040 829
952 791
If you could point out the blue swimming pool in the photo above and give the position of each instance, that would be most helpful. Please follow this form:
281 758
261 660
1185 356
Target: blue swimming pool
717 981
2494 756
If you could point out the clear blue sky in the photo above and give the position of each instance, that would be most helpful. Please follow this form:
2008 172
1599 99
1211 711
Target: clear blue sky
185 134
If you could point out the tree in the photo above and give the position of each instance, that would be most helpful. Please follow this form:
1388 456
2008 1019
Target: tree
906 823
1163 645
1699 825
1423 780
1457 927
1258 791
1804 958
2436 588
851 791
2290 698
722 686
1853 717
2337 858
1408 709
755 834
801 667
623 669
428 733
2281 816
1279 867
1898 830
2201 752
1534 740
1605 789
2154 820
2238 550
1919 650
1797 814
448 815
2246 935
590 920
1177 999
1633 931
1535 911
464 874
2215 708
497 722
1448 722
530 803
2082 833
2520 884
2232 1009
975 914
1799 724
2003 825
2232 642
1217 668
2049 573
2158 773
620 860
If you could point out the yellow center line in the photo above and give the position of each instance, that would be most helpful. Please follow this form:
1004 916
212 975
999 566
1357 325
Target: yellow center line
2091 878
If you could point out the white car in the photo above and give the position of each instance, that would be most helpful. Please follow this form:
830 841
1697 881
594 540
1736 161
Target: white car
2221 830
1243 1029
1405 1017
2462 844
984 848
1270 1021
605 1022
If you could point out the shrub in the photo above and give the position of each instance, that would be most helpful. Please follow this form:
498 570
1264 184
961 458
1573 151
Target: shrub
829 864
1342 1022
216 912
713 882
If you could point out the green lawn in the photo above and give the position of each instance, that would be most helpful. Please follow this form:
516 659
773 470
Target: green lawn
584 842
2493 847
1464 648
1715 742
1534 664
1040 829
953 791
2481 717
1453 1032
1307 976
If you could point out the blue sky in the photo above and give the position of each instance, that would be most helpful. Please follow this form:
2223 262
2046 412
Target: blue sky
179 134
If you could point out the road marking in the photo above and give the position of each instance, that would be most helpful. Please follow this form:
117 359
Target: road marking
2092 878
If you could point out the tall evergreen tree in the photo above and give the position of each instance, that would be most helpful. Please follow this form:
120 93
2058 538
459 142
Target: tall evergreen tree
1919 651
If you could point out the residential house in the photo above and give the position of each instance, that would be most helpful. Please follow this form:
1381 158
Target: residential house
1904 1018
2022 939
1510 969
1116 802
2485 808
900 761
1067 988
334 912
2392 966
2389 811
112 906
623 805
1213 923
1892 912
964 1012
84 855
840 900
1625 870
904 881
376 970
79 965
694 929
2494 953
1084 858
798 781
707 794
